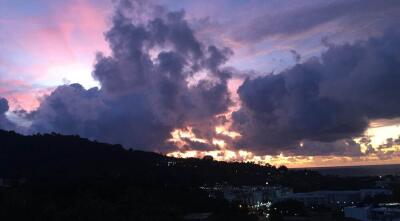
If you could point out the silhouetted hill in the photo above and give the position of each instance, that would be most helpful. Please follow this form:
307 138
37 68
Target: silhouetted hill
67 156
58 158
71 178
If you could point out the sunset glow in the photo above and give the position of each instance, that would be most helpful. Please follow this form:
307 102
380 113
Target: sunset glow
300 86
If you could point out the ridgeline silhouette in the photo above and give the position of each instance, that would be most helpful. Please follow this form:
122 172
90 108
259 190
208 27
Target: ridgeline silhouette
58 158
70 178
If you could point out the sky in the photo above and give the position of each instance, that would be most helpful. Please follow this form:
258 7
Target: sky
300 83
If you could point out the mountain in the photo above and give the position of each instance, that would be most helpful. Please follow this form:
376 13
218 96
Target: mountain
61 177
59 158
71 178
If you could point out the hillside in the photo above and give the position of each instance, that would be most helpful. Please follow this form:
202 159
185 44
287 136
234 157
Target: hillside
59 158
70 178
53 156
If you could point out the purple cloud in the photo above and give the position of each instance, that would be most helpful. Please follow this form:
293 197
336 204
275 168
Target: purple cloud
327 99
145 91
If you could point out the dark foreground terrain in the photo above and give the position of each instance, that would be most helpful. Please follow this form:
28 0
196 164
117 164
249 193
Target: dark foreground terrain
54 177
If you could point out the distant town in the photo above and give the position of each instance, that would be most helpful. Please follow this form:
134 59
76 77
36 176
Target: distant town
278 202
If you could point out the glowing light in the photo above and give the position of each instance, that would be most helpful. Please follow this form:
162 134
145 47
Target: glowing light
178 136
76 72
224 131
245 154
196 78
231 155
379 135
219 143
153 53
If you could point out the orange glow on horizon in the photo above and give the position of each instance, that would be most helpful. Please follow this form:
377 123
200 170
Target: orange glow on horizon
383 141
289 161
382 135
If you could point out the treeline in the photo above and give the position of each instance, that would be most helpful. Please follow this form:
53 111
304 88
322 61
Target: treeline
70 178
53 157
57 158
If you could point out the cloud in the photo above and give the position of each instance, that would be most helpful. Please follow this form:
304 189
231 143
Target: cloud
158 77
3 106
20 94
263 32
342 147
324 100
5 124
298 20
63 39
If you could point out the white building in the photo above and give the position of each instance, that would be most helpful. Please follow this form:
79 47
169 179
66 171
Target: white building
251 195
336 198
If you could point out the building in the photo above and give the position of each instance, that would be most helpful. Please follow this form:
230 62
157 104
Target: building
250 195
384 212
245 194
336 198
275 193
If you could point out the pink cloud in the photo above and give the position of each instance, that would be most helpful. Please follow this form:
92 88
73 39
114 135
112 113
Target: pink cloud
22 95
37 49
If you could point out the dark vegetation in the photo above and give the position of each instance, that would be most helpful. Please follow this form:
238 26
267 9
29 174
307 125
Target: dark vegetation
287 208
70 178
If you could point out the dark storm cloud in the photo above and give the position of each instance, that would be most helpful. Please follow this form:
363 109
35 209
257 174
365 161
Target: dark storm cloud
5 124
324 99
346 14
145 91
3 105
342 147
